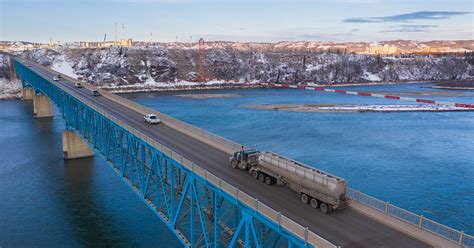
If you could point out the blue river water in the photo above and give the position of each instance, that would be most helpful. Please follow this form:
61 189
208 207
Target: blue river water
423 162
48 202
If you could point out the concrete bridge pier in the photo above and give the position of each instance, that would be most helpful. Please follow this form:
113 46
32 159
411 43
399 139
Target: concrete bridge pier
27 94
42 106
74 146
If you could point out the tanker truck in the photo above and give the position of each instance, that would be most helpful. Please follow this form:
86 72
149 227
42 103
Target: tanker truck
318 188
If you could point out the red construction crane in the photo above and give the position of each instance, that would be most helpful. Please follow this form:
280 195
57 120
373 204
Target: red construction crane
202 69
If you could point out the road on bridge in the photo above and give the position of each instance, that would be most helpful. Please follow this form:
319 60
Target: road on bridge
346 228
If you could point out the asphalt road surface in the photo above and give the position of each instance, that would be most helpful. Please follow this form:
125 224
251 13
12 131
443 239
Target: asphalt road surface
346 228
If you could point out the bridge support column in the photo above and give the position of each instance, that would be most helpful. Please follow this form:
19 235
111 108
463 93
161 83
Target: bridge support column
42 106
74 146
27 94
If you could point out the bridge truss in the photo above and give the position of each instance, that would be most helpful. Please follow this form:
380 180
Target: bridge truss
199 208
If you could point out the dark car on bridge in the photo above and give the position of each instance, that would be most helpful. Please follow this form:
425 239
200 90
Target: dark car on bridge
95 93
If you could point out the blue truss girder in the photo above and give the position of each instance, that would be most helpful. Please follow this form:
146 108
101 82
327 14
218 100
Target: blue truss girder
196 211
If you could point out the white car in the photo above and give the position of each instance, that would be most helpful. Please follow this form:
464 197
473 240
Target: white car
78 85
55 79
152 119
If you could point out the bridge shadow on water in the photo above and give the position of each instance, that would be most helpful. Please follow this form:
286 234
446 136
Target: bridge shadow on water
88 216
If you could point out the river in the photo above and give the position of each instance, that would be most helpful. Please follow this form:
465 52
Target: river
420 161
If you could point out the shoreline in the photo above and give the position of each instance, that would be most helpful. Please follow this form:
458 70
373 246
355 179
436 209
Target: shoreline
182 88
452 87
138 89
130 89
389 83
207 96
354 108
253 85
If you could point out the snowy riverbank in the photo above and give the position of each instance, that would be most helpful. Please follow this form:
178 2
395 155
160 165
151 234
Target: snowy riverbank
152 86
9 89
324 108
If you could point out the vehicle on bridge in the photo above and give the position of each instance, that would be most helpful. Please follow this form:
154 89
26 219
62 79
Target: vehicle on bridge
95 93
55 79
78 85
320 189
152 119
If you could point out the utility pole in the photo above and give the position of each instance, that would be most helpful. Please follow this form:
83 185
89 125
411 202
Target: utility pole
304 62
202 69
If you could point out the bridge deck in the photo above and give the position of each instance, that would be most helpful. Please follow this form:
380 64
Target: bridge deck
347 228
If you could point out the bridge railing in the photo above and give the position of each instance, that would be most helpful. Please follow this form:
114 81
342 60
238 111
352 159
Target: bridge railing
232 146
240 197
419 221
173 121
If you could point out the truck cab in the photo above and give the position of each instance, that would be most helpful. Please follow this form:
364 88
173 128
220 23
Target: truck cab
244 159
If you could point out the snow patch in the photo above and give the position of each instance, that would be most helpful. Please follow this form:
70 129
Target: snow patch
61 65
371 77
10 89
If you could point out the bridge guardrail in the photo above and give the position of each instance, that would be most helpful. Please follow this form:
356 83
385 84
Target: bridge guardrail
165 118
406 216
455 236
173 121
241 197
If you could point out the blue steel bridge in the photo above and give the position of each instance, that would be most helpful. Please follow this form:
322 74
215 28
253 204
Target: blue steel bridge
183 175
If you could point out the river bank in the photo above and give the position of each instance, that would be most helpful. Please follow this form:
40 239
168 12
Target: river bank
208 96
187 86
12 90
457 85
345 108
452 88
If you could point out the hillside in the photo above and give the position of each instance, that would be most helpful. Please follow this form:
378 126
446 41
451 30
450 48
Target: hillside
124 66
169 66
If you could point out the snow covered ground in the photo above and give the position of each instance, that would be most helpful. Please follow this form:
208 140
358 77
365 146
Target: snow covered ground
10 89
343 108
150 86
393 108
61 65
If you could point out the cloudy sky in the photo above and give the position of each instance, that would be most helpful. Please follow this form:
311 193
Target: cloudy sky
237 20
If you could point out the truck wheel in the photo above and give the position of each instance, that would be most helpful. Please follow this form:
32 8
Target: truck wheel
255 174
304 198
324 208
314 203
268 180
261 177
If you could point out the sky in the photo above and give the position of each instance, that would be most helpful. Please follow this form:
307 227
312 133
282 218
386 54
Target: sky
236 20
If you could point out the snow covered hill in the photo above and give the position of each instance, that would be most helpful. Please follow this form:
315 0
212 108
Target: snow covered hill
148 65
161 66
